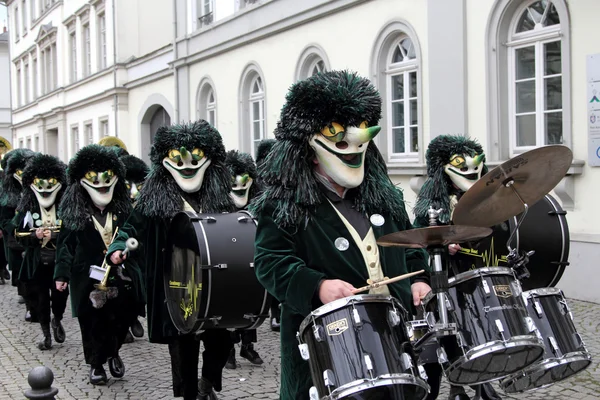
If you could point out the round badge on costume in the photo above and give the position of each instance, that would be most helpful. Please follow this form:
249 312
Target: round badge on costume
377 219
342 244
35 215
38 222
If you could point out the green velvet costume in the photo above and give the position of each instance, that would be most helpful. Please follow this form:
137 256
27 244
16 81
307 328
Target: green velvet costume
297 227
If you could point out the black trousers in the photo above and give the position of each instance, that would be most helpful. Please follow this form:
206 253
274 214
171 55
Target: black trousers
185 350
103 330
42 296
246 336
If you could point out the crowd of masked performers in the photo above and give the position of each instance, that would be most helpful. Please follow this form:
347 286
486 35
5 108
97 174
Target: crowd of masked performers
58 220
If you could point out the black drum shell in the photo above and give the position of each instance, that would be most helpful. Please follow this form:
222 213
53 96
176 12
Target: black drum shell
221 247
343 352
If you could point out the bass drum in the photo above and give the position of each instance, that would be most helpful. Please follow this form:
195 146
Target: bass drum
209 274
543 230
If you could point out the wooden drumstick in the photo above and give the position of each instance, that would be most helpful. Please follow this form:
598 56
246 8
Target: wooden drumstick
386 282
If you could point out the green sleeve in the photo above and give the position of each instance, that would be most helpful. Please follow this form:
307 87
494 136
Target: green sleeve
134 227
65 254
280 270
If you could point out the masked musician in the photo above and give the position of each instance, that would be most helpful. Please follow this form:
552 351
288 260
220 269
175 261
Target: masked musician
328 199
188 173
94 205
13 164
5 147
244 189
37 228
454 164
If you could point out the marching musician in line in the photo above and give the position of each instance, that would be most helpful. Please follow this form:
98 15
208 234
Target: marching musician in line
5 147
94 205
13 164
328 199
188 173
454 164
37 227
244 189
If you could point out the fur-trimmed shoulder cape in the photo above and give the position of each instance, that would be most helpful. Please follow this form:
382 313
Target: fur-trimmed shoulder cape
292 189
41 166
438 187
161 197
74 208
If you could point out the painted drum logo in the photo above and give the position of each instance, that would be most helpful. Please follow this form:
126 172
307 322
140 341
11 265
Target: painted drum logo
337 327
503 291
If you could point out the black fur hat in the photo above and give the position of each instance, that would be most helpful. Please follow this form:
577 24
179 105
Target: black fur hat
136 168
161 197
438 187
74 207
41 166
241 163
15 160
264 147
311 104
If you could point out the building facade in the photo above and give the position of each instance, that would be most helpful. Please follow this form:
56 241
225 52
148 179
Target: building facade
510 73
5 111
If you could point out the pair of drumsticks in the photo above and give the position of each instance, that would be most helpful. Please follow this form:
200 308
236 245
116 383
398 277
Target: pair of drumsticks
386 281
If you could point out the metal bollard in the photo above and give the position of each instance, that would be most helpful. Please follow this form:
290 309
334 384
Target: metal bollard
40 379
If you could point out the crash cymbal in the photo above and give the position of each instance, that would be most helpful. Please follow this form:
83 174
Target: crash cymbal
533 174
433 235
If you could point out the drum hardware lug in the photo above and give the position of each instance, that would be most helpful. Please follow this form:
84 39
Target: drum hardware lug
581 342
565 308
538 308
406 362
243 219
554 345
500 328
430 318
525 299
313 394
215 320
369 364
210 220
530 324
410 332
251 265
449 306
486 287
221 266
460 340
356 316
422 372
251 317
317 333
557 212
442 357
516 287
329 379
395 318
304 351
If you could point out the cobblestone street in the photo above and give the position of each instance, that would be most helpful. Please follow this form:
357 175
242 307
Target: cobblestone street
148 374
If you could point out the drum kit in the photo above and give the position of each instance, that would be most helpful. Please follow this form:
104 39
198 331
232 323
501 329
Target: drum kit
479 325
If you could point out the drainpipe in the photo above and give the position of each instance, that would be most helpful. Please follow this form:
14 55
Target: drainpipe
175 56
116 96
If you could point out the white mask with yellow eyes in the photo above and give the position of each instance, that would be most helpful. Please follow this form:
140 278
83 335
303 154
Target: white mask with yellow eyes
45 190
187 167
134 189
464 170
100 186
240 190
18 175
341 152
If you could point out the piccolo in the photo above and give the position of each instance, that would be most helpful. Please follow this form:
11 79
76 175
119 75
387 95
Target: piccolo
53 228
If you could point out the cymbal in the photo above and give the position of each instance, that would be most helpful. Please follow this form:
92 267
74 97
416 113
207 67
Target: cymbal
533 174
433 235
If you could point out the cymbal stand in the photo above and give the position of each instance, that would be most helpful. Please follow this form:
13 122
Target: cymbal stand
439 277
513 253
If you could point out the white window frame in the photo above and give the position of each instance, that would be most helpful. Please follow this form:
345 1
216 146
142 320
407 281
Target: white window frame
19 84
203 7
29 142
86 46
536 38
204 107
73 53
36 143
24 17
34 86
259 99
75 144
309 58
104 128
88 132
17 22
102 42
26 78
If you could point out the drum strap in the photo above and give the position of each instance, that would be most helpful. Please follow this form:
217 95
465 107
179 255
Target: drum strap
370 252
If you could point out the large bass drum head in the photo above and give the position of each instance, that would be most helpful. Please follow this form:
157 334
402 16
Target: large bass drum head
183 274
545 231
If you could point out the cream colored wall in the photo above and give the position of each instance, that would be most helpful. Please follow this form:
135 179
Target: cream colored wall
138 103
347 38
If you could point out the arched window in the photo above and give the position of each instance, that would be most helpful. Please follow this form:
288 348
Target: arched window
159 118
528 59
313 60
396 71
207 103
253 111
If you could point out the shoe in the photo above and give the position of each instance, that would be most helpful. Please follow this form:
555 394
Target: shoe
58 330
231 360
28 316
116 367
137 329
2 281
6 274
46 343
250 354
205 390
275 326
98 375
128 338
20 299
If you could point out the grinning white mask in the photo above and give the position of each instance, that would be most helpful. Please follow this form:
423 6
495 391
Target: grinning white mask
240 190
187 167
134 189
464 170
100 186
45 190
341 153
18 175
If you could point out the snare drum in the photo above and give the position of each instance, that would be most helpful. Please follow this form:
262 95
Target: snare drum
495 336
209 275
358 348
565 353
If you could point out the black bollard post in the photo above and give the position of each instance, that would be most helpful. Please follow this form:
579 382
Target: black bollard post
40 379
